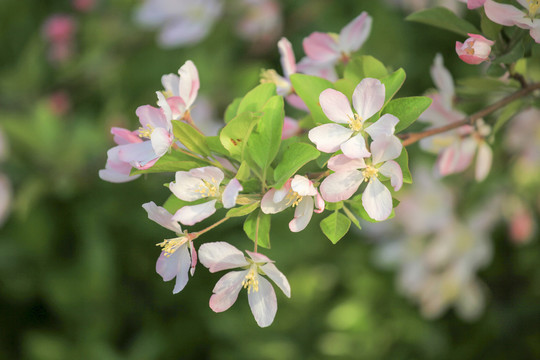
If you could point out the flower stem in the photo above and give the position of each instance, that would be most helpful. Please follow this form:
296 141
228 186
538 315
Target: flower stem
411 138
199 233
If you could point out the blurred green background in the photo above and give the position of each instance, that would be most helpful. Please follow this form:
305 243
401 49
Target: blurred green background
77 254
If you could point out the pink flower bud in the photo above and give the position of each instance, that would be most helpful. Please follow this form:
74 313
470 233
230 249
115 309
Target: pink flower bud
474 50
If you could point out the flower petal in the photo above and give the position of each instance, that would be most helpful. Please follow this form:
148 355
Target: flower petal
341 185
385 148
277 277
377 200
368 97
210 174
140 155
336 106
186 186
341 163
329 137
226 290
354 34
270 206
192 214
161 216
319 204
503 14
288 62
385 126
263 303
392 170
355 148
258 257
302 214
321 47
443 81
303 186
217 256
149 115
189 83
231 193
125 136
483 161
170 84
161 141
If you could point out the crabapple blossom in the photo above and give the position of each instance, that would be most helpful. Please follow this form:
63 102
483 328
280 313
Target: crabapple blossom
218 256
117 170
473 4
59 31
182 22
474 50
178 256
368 99
181 90
508 15
297 192
350 173
328 48
202 183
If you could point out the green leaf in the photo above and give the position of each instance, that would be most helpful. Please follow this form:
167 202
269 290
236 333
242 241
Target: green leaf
353 217
334 206
445 19
335 226
403 161
407 110
363 67
346 86
172 162
309 88
392 83
243 172
506 114
257 226
296 156
489 28
235 134
323 159
232 109
216 146
191 138
242 210
263 144
256 98
512 56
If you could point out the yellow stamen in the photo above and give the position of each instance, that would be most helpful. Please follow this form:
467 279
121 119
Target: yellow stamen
171 245
356 123
534 6
167 93
469 50
369 173
146 132
293 198
208 189
271 76
251 281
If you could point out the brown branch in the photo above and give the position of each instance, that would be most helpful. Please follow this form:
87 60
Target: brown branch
411 138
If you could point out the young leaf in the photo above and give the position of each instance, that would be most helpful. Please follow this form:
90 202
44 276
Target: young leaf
232 110
309 88
243 172
363 67
263 144
296 156
243 210
234 135
353 217
256 98
445 19
403 161
257 226
216 146
407 110
335 226
392 84
191 138
345 86
172 162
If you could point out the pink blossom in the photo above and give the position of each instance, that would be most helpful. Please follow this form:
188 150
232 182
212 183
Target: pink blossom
178 256
474 50
181 90
117 170
218 256
508 15
59 31
473 4
261 21
330 48
290 128
84 5
297 192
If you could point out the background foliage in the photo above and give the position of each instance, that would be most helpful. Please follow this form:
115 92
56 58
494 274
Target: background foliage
77 255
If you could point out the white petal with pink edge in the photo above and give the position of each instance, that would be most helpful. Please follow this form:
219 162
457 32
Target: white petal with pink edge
217 256
276 276
161 216
288 62
355 148
392 170
377 200
270 206
354 34
192 214
336 106
161 141
149 115
303 186
210 174
263 303
329 137
189 83
385 126
385 148
503 14
302 214
231 193
321 47
343 163
341 185
226 290
368 98
186 186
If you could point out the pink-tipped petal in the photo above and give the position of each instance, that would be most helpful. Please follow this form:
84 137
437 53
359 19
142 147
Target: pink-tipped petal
319 204
288 62
258 257
124 136
355 147
385 148
443 81
336 106
303 186
226 290
329 137
321 47
161 141
139 155
385 126
368 98
473 4
217 256
210 174
231 193
161 216
189 83
302 214
341 185
193 254
392 170
190 215
149 115
377 200
354 34
113 176
503 14
277 277
269 205
483 161
263 303
342 163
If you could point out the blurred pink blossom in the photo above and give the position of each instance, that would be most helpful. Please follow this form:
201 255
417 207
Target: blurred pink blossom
59 31
474 50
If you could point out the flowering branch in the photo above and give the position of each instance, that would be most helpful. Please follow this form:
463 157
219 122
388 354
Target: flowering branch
411 138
